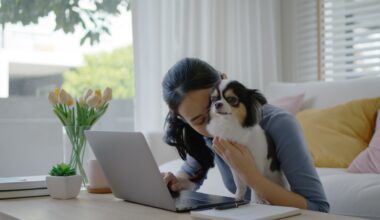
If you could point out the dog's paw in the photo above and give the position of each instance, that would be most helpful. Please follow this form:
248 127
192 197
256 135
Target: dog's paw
257 199
239 195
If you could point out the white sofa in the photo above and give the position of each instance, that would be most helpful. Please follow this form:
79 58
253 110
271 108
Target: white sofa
348 194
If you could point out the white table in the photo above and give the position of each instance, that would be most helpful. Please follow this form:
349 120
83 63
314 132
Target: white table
103 206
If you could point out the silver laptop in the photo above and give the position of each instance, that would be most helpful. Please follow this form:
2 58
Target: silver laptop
133 174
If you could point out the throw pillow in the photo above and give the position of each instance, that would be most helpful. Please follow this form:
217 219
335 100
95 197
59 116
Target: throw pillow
336 135
290 103
368 161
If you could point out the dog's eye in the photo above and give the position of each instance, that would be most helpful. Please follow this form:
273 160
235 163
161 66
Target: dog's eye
213 99
232 100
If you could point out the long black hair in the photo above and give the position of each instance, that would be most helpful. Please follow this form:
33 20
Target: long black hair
187 75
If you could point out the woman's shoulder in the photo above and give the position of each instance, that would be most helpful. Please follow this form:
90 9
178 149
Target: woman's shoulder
272 115
281 126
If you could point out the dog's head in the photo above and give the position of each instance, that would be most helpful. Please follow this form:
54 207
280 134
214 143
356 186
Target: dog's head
233 99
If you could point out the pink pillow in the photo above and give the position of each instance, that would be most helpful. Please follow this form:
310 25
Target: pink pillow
289 103
368 161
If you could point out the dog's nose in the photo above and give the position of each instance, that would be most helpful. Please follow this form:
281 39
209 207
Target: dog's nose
218 105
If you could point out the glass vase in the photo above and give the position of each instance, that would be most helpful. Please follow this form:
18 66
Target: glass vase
75 152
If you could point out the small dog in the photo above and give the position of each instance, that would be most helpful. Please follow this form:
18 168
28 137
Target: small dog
235 113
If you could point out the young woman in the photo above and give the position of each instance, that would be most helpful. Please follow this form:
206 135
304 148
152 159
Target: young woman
186 89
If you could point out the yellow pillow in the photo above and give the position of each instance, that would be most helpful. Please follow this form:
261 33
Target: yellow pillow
335 136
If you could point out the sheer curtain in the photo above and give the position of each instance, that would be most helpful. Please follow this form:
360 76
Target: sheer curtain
238 37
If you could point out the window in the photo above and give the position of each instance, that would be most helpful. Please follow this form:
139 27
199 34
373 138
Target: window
350 39
306 45
335 39
38 59
34 59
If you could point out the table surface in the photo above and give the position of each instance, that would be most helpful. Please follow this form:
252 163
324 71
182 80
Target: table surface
104 206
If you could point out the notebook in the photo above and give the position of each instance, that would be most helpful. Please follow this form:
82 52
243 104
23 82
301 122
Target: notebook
19 187
22 183
248 212
23 193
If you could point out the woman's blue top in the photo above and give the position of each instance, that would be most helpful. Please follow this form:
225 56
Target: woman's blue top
291 152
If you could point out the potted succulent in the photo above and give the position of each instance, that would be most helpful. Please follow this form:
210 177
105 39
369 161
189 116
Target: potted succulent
63 183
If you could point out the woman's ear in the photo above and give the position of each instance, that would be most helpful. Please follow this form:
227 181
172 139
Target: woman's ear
255 94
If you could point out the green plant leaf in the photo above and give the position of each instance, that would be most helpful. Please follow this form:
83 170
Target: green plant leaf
62 169
68 14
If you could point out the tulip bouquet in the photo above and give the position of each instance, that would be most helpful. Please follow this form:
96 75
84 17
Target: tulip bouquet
78 116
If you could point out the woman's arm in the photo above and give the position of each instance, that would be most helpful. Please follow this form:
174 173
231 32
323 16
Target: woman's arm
179 181
189 177
275 193
295 162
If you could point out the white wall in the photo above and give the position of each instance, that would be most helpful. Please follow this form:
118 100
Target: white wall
31 135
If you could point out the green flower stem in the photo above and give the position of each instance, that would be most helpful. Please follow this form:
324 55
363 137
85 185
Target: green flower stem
76 120
78 142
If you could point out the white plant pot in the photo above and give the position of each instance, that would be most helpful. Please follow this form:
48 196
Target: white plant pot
64 187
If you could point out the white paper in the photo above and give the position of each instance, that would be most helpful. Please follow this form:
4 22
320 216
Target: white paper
248 212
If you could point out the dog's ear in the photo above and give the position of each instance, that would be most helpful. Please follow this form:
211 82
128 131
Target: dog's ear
256 95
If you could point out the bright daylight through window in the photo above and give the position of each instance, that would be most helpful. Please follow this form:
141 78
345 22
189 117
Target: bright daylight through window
337 39
36 58
73 44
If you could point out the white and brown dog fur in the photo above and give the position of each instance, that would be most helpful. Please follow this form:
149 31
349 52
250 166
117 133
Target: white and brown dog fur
235 113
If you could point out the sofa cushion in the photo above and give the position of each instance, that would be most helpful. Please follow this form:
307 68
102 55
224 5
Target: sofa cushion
353 194
330 171
323 94
336 135
291 104
368 161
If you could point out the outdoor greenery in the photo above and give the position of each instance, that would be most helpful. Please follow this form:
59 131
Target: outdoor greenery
113 69
91 15
101 70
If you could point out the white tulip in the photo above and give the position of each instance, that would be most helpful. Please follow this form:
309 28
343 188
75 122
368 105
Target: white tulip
87 94
107 94
93 100
82 102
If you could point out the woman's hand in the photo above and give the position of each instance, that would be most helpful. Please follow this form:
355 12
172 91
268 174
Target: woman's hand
237 156
179 182
241 160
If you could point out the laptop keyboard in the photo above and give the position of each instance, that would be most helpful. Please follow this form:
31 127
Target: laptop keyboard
193 200
189 202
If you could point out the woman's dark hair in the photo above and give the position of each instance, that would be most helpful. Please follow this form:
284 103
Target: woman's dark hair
187 75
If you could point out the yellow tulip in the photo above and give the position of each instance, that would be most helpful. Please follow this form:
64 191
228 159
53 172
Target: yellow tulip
53 96
107 94
56 91
98 93
65 98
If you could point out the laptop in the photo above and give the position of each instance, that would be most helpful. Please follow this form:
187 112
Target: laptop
134 176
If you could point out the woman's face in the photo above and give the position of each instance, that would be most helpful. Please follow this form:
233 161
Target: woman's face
195 110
